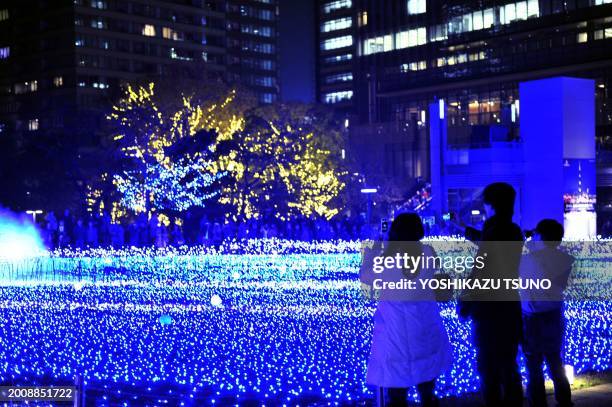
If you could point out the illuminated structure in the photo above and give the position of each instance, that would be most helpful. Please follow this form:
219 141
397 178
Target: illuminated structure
393 59
558 127
61 62
548 166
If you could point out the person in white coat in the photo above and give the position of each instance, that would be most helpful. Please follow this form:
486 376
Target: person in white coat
410 346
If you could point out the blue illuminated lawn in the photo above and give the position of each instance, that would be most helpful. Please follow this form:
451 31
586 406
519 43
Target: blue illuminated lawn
289 329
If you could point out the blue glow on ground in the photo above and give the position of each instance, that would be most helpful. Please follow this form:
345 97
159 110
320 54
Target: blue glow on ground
277 328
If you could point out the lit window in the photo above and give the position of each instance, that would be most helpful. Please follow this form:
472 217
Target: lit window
598 35
170 34
148 30
335 97
99 4
608 33
100 24
581 37
58 81
33 124
533 8
25 87
266 98
477 21
489 17
338 58
373 45
363 19
338 24
410 38
413 66
341 77
417 6
257 30
521 10
337 5
507 13
437 32
4 14
5 52
338 42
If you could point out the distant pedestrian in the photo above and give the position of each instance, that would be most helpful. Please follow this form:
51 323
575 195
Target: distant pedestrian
92 234
80 234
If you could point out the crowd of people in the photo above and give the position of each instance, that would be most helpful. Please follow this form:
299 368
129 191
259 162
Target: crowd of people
68 230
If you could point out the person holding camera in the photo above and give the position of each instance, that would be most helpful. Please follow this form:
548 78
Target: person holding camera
543 322
410 346
496 315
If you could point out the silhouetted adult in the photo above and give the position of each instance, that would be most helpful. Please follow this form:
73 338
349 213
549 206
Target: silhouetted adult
496 314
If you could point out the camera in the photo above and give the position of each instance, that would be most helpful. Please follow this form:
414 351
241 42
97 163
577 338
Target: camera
384 225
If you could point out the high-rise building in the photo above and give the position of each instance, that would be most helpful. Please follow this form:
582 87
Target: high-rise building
60 60
252 46
386 62
336 51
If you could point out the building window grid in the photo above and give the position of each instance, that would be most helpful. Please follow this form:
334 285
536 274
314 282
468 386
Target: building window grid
337 42
473 21
337 5
400 40
261 31
335 97
339 77
333 59
337 24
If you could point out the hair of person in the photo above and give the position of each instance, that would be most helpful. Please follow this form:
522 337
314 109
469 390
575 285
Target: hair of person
406 227
501 197
551 232
404 236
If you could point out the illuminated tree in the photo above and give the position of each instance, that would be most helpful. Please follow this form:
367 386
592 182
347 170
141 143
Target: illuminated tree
281 161
160 171
282 166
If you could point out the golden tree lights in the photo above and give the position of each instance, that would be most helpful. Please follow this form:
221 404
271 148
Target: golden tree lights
277 163
280 171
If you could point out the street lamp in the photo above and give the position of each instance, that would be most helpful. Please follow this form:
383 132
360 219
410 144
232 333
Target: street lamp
369 192
34 213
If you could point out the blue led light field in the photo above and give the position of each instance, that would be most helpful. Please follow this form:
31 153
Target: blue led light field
288 326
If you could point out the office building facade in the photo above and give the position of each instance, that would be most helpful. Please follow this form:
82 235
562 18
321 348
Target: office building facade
408 54
62 62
